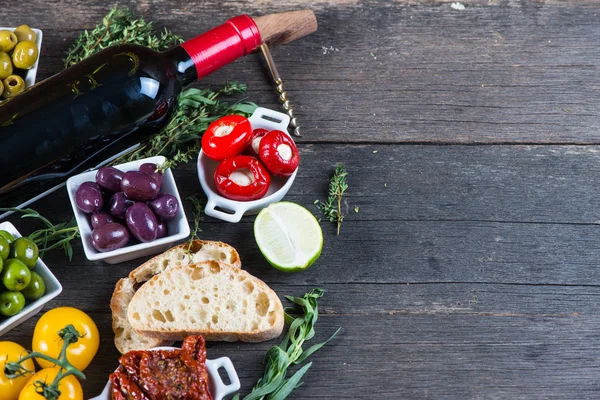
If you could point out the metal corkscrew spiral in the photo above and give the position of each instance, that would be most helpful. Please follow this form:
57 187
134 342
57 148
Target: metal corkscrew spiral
279 86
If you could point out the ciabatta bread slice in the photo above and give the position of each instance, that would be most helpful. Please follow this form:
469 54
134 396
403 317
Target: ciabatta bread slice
126 339
210 298
184 254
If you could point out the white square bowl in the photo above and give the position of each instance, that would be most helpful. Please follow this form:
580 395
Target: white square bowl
178 227
53 289
31 73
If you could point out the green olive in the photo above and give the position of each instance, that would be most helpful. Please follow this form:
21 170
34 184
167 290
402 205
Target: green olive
8 41
1 88
25 55
25 250
6 67
25 34
13 85
7 235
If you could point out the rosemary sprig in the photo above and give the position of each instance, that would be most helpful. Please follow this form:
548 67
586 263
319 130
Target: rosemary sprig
119 26
180 142
332 208
301 319
52 236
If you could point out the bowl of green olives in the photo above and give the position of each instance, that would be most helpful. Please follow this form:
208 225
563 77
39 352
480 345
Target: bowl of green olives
26 283
19 58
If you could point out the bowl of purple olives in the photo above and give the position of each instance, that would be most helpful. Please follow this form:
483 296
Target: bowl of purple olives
127 211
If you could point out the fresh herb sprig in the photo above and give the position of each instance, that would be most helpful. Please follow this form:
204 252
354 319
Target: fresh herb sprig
332 208
197 213
52 236
301 319
119 26
180 142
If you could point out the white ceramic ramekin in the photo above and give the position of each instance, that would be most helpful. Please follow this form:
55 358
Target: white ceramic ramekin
231 210
218 389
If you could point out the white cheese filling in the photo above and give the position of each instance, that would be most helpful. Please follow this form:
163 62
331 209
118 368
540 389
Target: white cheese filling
223 130
285 151
242 177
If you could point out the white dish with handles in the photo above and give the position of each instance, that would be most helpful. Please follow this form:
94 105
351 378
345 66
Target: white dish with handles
218 388
32 72
53 289
218 206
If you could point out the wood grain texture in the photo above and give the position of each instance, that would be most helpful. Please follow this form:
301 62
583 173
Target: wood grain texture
416 72
281 28
482 302
468 272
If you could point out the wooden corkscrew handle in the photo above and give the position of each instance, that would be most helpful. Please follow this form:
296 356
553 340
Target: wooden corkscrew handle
280 28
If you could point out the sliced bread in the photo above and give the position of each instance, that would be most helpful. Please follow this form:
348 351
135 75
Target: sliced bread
210 298
184 254
126 339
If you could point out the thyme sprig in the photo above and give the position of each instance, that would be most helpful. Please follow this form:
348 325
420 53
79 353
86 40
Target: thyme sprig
197 214
301 318
49 391
332 208
119 26
52 236
180 142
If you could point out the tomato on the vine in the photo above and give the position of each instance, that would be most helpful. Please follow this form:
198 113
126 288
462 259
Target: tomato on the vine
10 352
69 387
227 137
47 341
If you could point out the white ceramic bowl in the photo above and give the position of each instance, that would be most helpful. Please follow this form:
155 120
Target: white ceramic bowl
53 289
31 73
218 389
178 227
231 210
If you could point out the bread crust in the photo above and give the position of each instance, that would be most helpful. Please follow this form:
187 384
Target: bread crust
187 253
252 336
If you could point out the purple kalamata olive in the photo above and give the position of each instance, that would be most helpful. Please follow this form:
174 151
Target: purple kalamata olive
109 178
152 171
100 218
142 222
119 204
88 197
162 230
110 236
139 186
165 206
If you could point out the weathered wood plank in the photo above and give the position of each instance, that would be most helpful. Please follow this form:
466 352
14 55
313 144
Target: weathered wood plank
496 340
448 214
520 72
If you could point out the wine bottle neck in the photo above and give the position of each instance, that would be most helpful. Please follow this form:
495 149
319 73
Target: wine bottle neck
212 50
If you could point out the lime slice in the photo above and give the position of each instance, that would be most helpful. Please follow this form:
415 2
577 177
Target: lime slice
289 236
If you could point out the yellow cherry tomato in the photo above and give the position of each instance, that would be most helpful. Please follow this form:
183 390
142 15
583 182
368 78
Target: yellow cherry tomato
69 387
47 341
9 352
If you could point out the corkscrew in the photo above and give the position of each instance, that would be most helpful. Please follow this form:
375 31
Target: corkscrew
282 94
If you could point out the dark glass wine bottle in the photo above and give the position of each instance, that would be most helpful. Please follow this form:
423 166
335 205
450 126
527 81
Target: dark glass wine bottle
103 105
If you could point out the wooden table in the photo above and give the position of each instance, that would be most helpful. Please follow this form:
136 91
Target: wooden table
470 269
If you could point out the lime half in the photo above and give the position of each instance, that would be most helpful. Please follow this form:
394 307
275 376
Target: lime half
289 236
